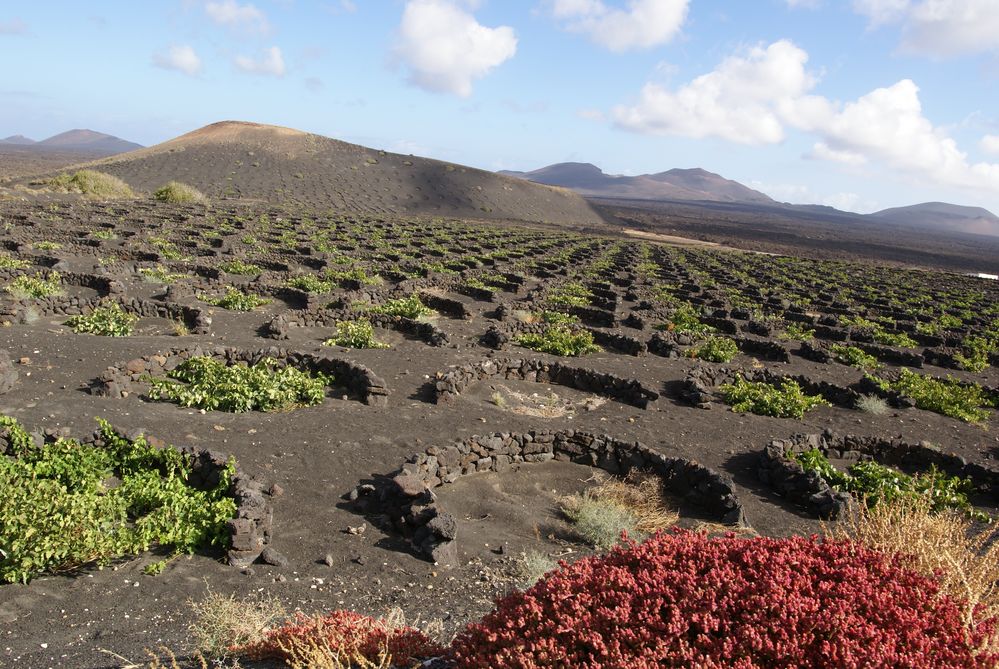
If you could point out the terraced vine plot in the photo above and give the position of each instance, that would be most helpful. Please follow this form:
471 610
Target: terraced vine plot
436 354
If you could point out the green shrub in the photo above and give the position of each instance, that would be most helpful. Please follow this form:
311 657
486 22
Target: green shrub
110 320
36 287
310 283
600 522
407 307
559 340
557 318
60 514
796 332
355 334
686 320
946 396
787 401
715 349
876 483
93 184
571 294
974 356
357 274
46 246
235 300
207 383
160 274
178 193
854 356
9 262
237 266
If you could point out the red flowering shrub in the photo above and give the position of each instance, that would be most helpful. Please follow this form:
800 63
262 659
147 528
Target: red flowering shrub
347 633
684 600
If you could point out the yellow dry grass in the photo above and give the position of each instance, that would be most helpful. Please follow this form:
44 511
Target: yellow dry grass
960 554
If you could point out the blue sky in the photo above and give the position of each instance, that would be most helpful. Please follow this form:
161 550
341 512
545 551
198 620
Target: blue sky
861 104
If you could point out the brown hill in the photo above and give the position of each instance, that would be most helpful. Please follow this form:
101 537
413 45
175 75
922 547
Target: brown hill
87 141
943 216
261 162
675 184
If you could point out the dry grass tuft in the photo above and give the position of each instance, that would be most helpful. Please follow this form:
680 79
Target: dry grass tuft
178 193
92 184
222 623
313 652
634 505
960 554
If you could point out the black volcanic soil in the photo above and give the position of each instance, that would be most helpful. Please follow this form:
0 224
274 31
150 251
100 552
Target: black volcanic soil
318 454
772 229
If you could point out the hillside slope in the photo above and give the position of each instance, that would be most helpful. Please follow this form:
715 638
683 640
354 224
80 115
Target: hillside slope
943 216
234 159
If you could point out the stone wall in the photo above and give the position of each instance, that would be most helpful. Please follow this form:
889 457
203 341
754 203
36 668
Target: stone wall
406 497
808 489
449 385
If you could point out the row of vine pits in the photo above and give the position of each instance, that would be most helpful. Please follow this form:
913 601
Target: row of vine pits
646 306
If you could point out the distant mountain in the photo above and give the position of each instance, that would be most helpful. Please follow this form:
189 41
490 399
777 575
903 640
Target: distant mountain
942 216
18 140
88 141
675 184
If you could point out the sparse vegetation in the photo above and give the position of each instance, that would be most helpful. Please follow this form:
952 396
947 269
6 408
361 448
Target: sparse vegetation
407 307
872 404
237 266
715 349
223 623
854 356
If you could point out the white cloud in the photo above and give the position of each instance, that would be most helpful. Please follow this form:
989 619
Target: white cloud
445 48
990 144
888 125
939 27
231 14
181 58
644 24
752 98
13 27
800 194
271 63
740 100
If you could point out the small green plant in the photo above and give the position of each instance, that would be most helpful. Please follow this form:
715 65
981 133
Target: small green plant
237 266
948 396
796 332
9 262
974 356
854 356
207 383
93 184
571 294
686 320
109 320
875 483
557 318
407 307
357 333
46 246
532 566
160 274
235 300
715 349
37 287
310 283
60 514
786 401
178 193
105 234
559 340
357 274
